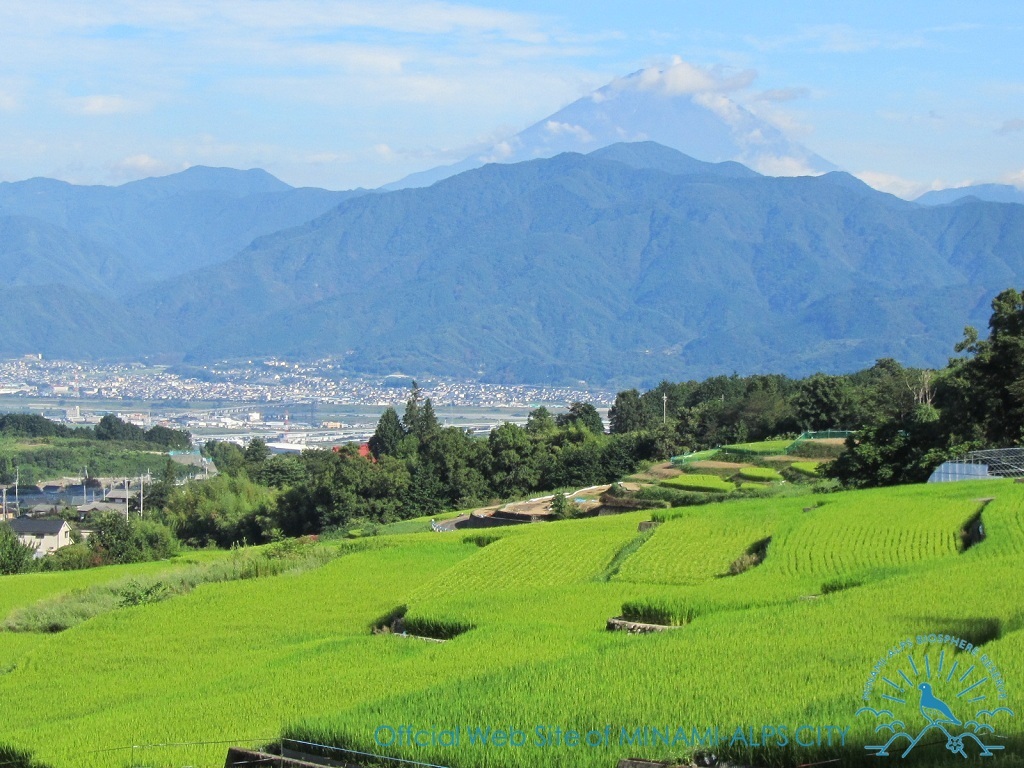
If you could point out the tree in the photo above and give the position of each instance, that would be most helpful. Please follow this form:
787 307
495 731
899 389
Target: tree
513 469
114 540
584 414
989 386
888 391
159 492
227 457
894 452
540 422
577 463
667 398
388 435
256 452
172 439
412 408
15 557
223 510
426 423
628 414
279 472
559 507
825 402
113 428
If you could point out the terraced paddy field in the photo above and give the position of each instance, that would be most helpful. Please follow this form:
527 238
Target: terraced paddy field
767 664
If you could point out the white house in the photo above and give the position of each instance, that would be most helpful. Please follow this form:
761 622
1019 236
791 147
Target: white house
45 536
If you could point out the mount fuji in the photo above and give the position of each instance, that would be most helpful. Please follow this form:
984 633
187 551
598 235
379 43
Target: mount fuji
681 106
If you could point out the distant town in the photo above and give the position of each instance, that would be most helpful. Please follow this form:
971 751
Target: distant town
291 405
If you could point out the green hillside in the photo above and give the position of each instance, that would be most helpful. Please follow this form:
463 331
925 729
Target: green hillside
788 642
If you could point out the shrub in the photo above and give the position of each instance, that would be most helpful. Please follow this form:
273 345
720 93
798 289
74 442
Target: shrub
135 593
481 540
753 557
837 585
659 611
15 557
438 629
74 557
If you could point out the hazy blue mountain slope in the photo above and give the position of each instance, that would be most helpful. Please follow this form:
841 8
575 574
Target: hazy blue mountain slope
586 268
160 227
992 193
67 322
33 252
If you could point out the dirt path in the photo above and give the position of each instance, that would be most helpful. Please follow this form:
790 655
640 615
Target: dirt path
540 505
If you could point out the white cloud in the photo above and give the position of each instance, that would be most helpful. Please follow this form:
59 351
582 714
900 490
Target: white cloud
1017 179
141 166
727 109
499 153
908 189
7 102
773 165
100 105
681 77
428 17
625 135
556 128
385 153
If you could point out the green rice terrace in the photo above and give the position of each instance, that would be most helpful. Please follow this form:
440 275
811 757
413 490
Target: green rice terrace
760 630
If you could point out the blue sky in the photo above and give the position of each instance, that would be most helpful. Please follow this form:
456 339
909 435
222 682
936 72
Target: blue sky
909 96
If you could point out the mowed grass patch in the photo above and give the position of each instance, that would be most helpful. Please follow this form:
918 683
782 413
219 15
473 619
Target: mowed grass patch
855 532
541 554
698 544
699 483
807 468
760 475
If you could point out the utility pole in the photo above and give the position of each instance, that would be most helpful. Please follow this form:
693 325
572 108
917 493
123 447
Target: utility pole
664 408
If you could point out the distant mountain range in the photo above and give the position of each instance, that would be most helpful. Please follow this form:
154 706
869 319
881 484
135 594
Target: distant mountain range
107 238
625 266
649 105
993 193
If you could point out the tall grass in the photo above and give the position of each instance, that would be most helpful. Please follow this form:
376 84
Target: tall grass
65 611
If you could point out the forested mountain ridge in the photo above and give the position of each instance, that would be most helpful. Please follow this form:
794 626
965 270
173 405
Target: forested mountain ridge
624 267
588 268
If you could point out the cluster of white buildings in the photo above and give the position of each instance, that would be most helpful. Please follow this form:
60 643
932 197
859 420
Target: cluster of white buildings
264 381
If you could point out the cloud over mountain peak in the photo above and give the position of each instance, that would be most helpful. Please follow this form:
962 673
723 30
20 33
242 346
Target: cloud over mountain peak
680 105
